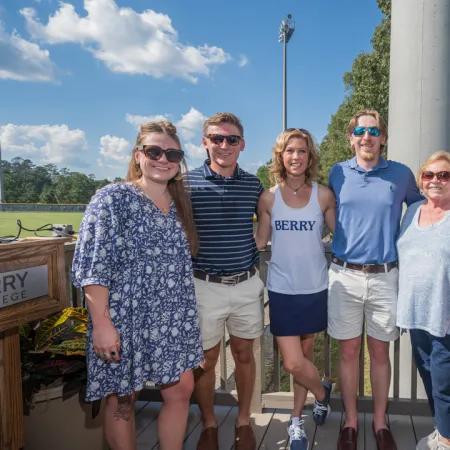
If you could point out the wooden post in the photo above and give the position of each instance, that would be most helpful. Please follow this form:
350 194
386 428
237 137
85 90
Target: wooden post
32 285
11 430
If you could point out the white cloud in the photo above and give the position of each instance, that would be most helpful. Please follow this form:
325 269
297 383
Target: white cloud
126 41
243 61
137 120
22 60
195 151
55 144
190 124
116 148
188 127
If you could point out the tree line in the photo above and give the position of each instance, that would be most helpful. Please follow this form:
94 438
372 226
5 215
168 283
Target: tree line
367 86
25 182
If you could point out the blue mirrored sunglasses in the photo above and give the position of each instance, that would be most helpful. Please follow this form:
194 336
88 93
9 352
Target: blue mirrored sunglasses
361 131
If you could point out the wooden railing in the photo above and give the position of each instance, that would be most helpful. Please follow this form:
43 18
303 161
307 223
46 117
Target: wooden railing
407 395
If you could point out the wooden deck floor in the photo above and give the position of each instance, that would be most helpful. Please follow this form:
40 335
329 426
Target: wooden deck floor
270 429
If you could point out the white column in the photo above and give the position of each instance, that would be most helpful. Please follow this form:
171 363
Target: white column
419 105
419 94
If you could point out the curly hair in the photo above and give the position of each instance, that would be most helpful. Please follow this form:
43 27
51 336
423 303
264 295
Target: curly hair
277 169
175 186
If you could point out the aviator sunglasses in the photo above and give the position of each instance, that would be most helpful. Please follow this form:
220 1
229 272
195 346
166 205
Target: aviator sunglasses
217 139
154 152
444 175
361 131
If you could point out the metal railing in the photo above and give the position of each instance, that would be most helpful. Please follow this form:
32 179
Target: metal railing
407 394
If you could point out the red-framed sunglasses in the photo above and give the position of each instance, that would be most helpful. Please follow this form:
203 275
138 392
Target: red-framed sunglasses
443 175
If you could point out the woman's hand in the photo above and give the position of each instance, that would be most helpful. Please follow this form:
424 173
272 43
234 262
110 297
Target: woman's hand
105 338
106 341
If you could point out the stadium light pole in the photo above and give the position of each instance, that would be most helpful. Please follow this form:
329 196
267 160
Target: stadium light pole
286 31
2 193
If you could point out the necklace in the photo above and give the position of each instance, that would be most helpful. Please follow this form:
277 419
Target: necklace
154 199
294 190
431 219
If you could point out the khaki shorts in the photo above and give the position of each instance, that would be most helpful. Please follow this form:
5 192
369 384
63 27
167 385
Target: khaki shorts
354 296
240 307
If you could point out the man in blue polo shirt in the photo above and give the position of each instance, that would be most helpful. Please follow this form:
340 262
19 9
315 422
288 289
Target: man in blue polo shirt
363 277
227 286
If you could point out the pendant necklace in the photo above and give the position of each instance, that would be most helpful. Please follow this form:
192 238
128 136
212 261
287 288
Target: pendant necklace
294 190
153 200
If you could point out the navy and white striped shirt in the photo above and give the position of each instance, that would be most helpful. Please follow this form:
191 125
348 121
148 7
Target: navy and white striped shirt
223 212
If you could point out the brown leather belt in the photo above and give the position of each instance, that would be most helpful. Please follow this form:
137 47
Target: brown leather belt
366 268
230 280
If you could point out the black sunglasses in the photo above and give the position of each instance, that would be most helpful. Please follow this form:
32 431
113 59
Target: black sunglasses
154 152
217 139
444 175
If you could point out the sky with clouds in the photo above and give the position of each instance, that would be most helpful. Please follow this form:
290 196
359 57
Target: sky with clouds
78 77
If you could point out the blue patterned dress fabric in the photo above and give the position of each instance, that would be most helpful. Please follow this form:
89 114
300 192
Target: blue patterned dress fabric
128 245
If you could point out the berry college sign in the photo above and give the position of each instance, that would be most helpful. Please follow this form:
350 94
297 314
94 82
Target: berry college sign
21 285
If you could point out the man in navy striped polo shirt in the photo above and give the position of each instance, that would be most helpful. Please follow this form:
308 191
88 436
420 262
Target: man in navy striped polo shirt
228 289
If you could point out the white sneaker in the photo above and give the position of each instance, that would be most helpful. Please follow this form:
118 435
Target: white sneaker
427 442
297 434
432 442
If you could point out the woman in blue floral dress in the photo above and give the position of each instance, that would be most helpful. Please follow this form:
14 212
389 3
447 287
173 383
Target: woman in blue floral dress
133 259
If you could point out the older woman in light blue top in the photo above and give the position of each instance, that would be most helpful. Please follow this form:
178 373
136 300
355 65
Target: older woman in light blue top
424 290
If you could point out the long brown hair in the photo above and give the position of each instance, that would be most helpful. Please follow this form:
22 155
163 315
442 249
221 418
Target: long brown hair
277 169
175 186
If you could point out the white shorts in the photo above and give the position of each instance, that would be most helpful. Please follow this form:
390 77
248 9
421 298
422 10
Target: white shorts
354 296
240 307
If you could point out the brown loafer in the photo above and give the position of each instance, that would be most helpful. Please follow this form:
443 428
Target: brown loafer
347 439
244 438
385 440
209 439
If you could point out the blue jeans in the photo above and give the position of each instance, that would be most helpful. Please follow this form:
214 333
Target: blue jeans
432 355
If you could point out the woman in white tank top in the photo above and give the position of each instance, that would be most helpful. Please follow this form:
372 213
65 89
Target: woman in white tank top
293 213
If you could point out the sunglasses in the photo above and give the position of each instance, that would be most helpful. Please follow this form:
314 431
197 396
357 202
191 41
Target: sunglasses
302 130
361 131
219 138
155 153
441 176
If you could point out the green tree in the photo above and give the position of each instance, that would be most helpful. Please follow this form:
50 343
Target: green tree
24 182
263 174
48 195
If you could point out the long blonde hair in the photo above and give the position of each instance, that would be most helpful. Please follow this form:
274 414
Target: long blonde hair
277 169
175 186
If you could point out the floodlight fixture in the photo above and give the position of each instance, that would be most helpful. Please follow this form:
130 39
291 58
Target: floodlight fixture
285 33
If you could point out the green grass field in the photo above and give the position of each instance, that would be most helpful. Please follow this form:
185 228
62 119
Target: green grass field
33 220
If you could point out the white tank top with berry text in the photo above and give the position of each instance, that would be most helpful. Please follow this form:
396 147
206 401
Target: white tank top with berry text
297 264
